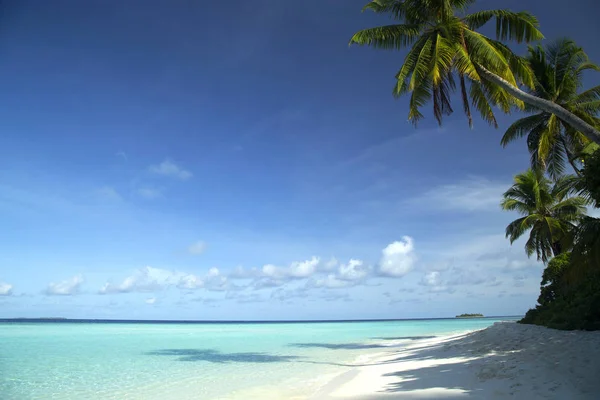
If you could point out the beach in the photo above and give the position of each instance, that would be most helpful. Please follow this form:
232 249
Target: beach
506 360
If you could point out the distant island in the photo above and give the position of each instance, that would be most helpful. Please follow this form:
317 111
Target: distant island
469 316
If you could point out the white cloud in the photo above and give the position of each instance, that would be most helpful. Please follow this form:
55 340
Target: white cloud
197 248
170 169
151 300
473 194
296 270
355 270
216 282
65 288
146 279
6 289
431 279
272 271
398 258
190 281
303 269
149 193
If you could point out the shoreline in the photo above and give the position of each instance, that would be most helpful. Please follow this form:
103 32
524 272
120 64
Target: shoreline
504 360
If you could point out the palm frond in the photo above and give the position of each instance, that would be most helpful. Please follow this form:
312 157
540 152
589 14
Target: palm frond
465 100
518 26
419 97
482 104
390 37
522 127
589 95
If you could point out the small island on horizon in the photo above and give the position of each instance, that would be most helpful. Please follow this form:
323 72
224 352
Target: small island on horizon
470 316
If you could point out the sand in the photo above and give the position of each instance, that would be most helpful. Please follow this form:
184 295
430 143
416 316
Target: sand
506 360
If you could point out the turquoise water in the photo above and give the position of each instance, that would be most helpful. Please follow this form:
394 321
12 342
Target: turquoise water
192 361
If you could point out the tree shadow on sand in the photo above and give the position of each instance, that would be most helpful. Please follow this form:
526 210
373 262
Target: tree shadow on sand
465 363
215 356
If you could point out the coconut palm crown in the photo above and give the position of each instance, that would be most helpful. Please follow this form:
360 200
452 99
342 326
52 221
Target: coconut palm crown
549 214
445 48
558 77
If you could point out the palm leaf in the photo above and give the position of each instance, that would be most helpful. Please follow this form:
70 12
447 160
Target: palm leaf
519 26
391 37
523 126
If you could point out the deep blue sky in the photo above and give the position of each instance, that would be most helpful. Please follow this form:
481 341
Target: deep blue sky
186 159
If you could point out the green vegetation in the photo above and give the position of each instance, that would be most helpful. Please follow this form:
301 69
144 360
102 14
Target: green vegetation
446 47
470 316
558 78
548 213
567 300
446 51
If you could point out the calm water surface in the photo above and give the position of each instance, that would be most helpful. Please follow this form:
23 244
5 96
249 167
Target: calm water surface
191 361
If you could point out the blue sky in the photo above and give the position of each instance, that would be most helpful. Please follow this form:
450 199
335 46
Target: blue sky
239 161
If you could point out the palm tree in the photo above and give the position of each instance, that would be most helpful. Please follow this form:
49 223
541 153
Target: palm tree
548 213
558 78
445 46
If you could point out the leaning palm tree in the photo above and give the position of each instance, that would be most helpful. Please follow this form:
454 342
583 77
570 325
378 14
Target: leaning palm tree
558 78
445 47
548 213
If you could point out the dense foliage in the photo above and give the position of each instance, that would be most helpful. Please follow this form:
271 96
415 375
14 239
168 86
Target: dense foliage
469 316
570 289
591 176
566 302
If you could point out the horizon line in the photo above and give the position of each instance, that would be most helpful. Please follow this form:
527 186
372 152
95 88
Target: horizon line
101 320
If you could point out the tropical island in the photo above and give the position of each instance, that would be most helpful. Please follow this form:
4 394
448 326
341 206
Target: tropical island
470 316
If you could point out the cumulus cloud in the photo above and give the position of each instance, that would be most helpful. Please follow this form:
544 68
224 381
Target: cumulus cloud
151 300
6 289
190 281
303 269
146 279
271 275
197 248
355 270
397 258
65 288
170 169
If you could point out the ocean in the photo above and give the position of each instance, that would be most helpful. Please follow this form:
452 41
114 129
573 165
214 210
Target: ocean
134 360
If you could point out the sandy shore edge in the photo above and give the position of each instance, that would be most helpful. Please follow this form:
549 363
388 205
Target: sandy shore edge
501 361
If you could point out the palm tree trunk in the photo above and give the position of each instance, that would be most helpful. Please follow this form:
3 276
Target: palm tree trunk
577 123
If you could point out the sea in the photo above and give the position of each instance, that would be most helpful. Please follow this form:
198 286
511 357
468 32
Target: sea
91 359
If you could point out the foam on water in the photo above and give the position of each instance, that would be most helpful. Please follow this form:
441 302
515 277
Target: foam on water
193 361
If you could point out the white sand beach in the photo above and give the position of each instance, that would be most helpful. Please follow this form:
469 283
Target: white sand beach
502 361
